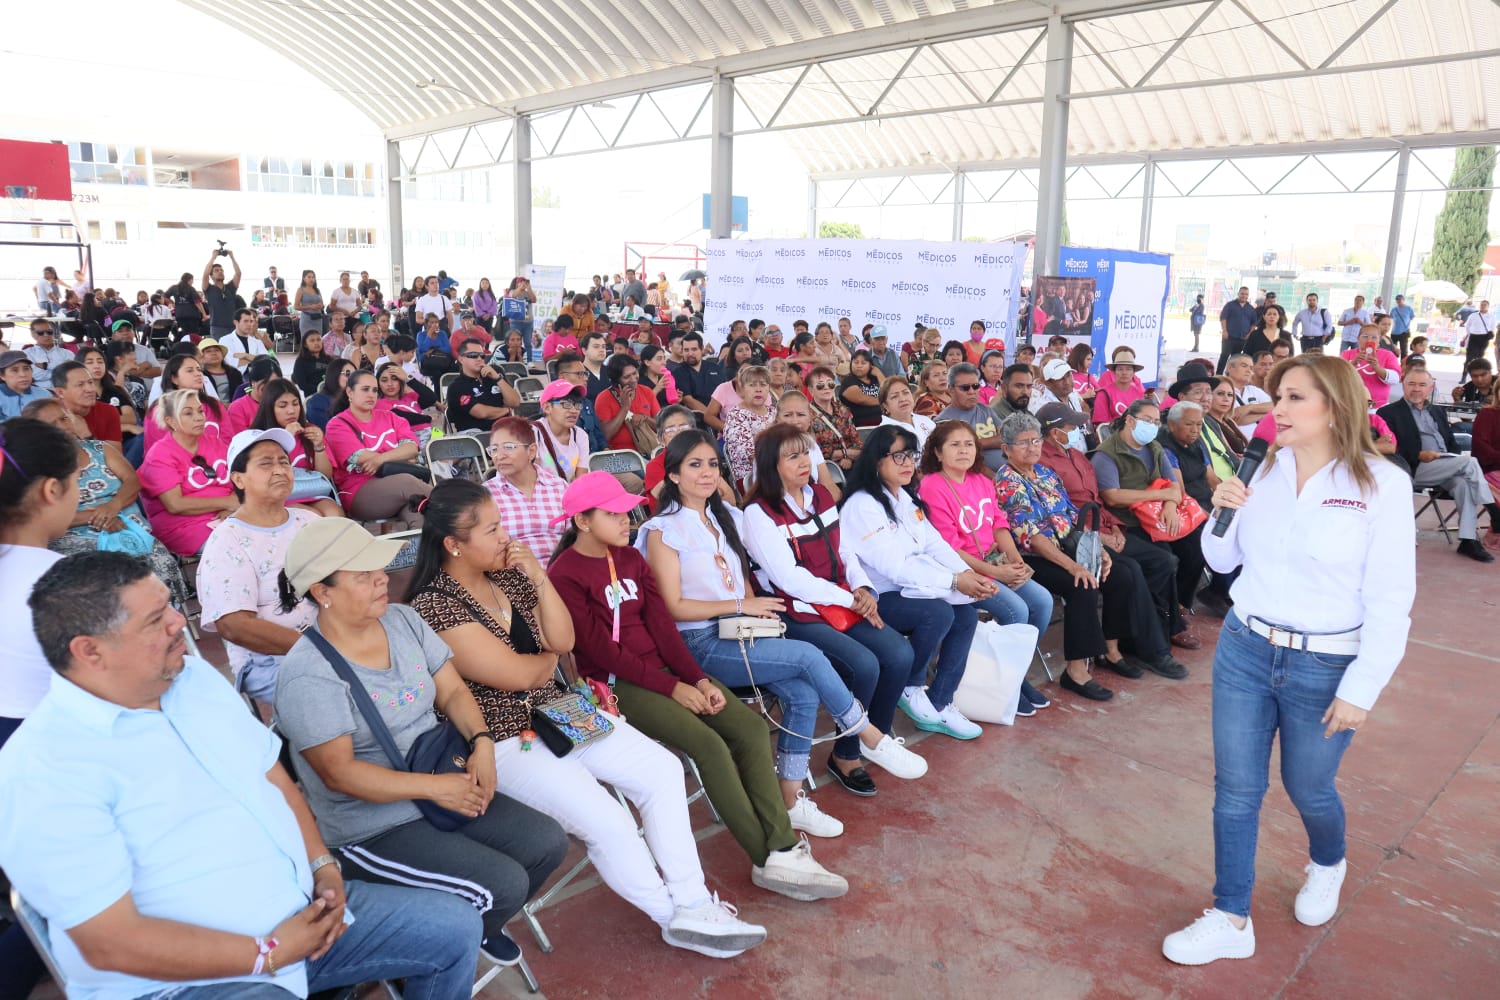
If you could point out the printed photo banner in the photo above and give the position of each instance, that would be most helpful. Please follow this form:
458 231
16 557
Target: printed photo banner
1130 302
898 284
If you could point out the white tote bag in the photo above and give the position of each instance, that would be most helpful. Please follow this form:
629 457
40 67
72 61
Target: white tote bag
998 661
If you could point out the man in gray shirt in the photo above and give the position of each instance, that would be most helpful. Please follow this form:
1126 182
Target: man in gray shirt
633 288
963 390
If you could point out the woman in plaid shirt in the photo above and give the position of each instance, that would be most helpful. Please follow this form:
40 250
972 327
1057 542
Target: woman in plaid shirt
529 496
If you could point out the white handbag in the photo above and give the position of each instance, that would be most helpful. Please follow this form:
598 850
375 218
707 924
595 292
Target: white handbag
998 661
748 628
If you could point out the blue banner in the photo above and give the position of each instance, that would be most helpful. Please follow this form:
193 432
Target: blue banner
1130 302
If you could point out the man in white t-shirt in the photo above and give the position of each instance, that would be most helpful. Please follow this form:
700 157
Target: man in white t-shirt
1250 402
436 304
243 345
1480 328
241 560
1351 321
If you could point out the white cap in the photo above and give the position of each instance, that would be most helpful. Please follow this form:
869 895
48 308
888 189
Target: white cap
244 440
1055 369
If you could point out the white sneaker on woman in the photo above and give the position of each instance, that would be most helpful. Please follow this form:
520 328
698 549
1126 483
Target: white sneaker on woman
807 817
714 925
1319 899
1209 938
891 754
951 722
915 704
795 873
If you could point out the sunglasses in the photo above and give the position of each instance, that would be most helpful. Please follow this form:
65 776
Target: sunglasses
728 574
471 356
824 385
967 387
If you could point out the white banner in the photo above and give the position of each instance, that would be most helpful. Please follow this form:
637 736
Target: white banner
898 284
1135 312
547 282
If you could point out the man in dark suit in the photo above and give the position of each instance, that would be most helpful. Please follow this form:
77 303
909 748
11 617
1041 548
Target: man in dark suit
1425 443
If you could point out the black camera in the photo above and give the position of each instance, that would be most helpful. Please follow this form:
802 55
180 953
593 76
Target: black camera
221 252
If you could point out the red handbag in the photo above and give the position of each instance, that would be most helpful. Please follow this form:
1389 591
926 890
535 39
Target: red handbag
1149 512
842 619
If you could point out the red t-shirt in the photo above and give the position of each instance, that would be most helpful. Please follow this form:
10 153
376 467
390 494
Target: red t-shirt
607 407
104 422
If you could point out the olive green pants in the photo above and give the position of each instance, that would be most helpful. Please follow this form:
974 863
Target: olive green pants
733 752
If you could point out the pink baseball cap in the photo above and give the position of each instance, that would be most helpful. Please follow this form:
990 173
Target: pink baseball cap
559 388
594 490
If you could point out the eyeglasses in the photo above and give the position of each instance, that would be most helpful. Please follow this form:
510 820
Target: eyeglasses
967 386
574 373
907 457
1035 442
728 574
1157 421
568 403
508 447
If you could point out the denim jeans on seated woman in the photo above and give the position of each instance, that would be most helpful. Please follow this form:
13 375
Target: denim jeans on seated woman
939 629
1030 603
796 673
874 662
1260 689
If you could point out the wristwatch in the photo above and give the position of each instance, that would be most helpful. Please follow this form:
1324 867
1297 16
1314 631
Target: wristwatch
323 861
486 735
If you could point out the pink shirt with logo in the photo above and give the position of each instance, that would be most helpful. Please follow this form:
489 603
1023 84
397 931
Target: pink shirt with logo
345 435
169 464
1379 388
1110 401
966 514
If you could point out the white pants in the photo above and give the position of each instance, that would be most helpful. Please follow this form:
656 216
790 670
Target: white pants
651 777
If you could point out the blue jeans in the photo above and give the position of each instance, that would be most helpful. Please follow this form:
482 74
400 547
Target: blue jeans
874 662
428 938
1030 603
939 629
1258 690
796 673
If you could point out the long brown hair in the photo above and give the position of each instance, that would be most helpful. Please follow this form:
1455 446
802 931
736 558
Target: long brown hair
1345 394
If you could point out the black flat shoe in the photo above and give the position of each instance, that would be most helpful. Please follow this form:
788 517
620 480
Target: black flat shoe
1093 690
1123 666
857 781
1471 548
1168 666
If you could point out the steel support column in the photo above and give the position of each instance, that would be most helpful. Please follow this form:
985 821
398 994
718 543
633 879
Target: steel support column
1148 196
521 191
958 206
812 209
721 160
1393 239
1053 179
393 185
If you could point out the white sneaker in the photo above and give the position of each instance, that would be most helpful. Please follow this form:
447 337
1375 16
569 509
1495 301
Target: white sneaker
666 935
915 704
891 754
951 722
712 924
807 817
1319 899
1209 938
797 874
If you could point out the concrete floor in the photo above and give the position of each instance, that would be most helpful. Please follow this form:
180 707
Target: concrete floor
1049 859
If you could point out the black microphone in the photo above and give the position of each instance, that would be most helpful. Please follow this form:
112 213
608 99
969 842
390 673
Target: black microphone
1255 453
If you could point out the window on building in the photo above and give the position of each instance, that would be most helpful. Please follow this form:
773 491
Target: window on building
107 163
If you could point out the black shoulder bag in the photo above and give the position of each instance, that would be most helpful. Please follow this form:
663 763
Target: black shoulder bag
440 750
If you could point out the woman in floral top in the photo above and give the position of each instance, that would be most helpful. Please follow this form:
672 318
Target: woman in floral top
756 412
1041 519
489 599
832 425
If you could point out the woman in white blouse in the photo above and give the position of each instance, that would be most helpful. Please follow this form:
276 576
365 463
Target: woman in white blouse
922 585
1325 542
694 548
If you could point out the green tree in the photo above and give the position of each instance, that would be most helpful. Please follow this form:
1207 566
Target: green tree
1461 234
840 231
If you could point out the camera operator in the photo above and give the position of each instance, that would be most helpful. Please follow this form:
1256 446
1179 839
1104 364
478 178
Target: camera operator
220 296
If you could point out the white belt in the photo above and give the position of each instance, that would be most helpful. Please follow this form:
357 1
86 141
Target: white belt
1340 644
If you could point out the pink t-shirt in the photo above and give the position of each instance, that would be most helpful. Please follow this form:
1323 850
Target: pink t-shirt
966 514
556 343
1110 401
1379 389
169 464
241 414
728 397
346 435
1083 380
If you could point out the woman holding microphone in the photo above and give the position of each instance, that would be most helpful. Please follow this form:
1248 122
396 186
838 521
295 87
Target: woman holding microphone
1325 541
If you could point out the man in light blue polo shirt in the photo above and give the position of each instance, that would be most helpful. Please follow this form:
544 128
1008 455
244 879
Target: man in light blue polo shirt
1401 317
144 815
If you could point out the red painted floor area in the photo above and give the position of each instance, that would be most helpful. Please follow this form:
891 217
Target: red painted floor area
1049 859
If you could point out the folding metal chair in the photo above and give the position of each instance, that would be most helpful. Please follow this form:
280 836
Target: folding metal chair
864 434
464 454
1435 496
530 388
514 371
284 334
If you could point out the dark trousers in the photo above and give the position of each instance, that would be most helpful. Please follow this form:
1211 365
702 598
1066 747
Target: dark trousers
1232 345
1128 611
876 663
1476 346
1173 571
496 862
21 967
1402 342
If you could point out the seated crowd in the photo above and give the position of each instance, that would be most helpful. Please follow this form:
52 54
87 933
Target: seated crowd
867 504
